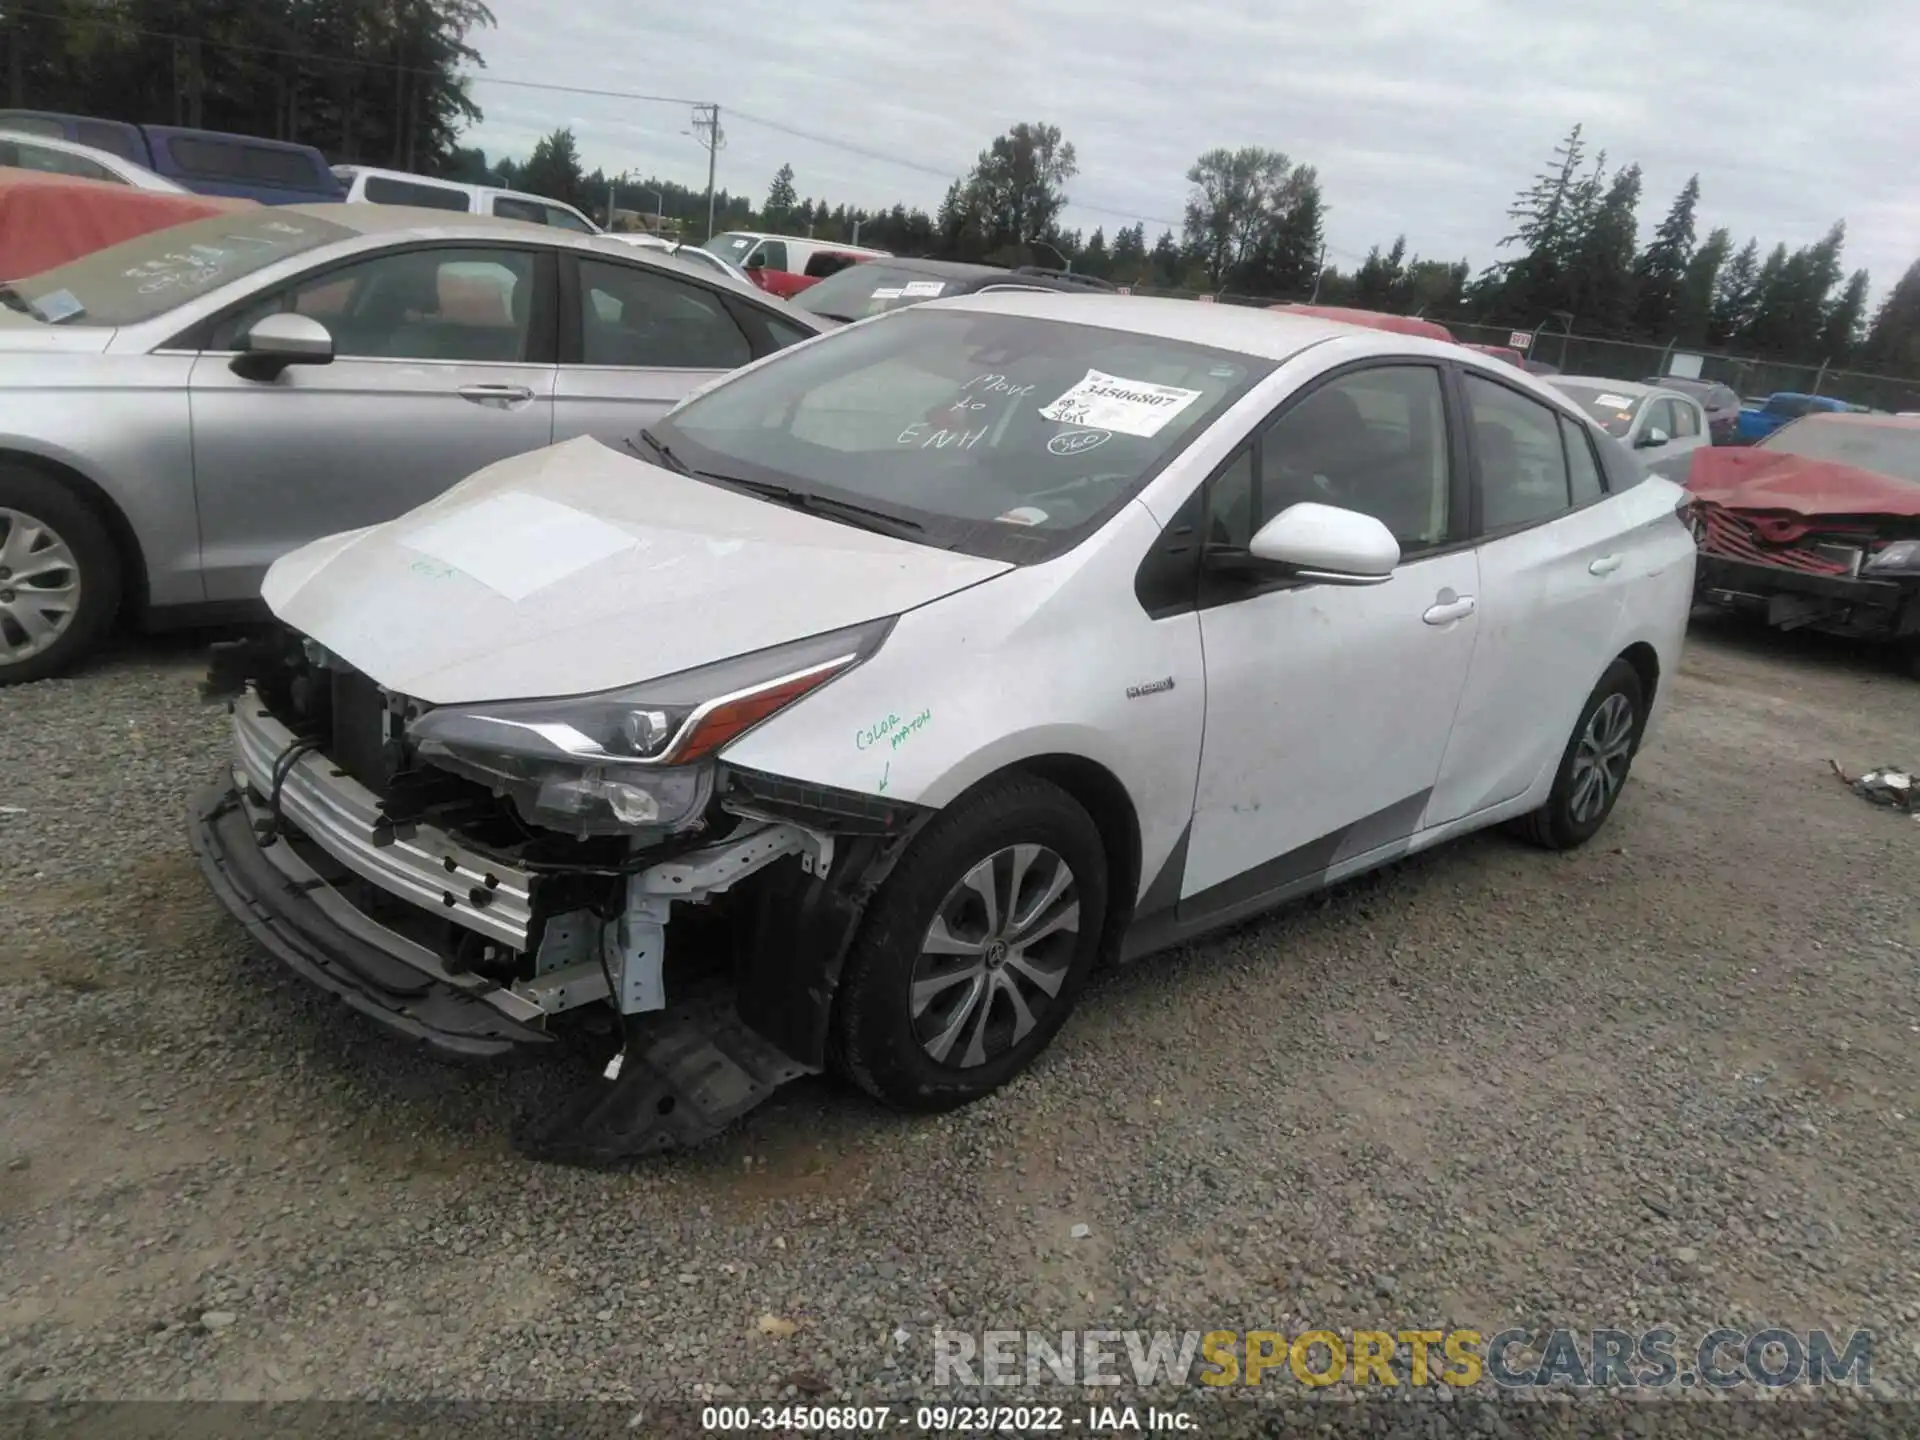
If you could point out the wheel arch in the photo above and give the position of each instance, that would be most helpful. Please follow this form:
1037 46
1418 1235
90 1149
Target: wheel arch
1645 661
132 557
1104 797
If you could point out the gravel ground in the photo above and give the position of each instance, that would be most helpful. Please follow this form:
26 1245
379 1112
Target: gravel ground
1669 1078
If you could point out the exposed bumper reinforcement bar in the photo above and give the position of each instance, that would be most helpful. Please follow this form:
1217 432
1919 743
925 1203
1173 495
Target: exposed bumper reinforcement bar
302 922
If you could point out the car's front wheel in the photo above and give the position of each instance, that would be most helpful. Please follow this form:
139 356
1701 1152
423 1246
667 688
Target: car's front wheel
975 949
59 576
1593 768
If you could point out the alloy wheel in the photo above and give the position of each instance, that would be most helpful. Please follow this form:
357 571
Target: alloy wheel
995 956
39 586
1600 760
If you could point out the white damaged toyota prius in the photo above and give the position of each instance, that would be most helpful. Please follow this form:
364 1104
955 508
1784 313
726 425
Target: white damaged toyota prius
881 691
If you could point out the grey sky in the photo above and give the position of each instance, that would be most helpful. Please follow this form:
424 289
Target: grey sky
1423 116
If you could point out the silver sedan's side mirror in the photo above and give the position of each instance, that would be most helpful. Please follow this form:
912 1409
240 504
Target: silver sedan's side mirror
1329 544
277 341
1653 437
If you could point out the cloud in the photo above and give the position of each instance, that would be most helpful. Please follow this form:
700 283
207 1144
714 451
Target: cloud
1422 118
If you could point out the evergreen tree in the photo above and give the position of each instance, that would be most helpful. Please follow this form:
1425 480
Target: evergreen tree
1661 272
554 169
781 198
1600 273
1736 293
1692 320
1548 222
1130 255
1841 333
1095 260
1893 344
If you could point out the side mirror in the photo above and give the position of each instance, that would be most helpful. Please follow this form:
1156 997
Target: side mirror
277 341
1653 437
756 261
1328 544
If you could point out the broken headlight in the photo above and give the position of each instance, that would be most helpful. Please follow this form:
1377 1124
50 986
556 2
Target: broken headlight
1902 557
638 758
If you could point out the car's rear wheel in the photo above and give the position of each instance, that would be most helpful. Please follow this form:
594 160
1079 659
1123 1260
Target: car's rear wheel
975 949
59 576
1594 767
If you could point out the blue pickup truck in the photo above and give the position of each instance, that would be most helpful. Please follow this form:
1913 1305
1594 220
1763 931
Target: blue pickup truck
208 162
1759 421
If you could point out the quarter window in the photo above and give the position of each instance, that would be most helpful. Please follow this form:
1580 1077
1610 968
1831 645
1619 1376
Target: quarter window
1523 461
1373 440
451 305
632 316
1582 470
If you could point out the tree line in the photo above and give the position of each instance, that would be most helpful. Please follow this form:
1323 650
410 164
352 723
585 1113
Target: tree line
382 82
1253 226
375 81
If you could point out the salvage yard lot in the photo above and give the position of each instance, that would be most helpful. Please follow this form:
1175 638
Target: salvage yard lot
1670 1077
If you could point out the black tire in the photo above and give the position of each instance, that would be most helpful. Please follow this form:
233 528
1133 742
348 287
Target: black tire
874 1039
1556 825
45 500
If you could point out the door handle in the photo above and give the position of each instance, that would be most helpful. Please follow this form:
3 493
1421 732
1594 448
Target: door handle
1605 565
506 397
1445 612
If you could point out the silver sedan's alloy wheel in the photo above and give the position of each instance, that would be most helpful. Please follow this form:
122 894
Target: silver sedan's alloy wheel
1601 758
995 956
39 586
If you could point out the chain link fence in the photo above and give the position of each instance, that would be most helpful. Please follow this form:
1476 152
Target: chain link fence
1750 378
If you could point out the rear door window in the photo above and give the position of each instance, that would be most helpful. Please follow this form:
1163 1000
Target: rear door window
1523 460
630 316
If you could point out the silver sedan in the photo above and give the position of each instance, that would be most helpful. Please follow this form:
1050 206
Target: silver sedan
179 410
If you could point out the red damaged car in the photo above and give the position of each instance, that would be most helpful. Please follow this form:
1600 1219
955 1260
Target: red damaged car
1817 527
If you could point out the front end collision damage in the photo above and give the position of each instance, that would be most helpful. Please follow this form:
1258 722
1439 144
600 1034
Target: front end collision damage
391 888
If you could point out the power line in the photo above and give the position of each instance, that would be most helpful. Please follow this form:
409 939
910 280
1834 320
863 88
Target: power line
831 142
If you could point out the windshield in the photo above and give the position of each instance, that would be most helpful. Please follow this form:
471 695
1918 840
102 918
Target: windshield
151 274
1884 449
869 289
731 246
1610 409
1004 436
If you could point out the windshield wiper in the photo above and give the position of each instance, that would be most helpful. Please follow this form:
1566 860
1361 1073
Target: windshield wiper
655 444
863 517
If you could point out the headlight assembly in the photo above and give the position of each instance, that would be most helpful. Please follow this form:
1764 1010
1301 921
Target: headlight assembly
637 759
1901 557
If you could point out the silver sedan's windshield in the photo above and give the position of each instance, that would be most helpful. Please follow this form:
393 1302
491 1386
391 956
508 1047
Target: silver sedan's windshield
1613 410
1002 435
151 274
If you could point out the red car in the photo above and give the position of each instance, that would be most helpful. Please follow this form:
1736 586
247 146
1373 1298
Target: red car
1816 527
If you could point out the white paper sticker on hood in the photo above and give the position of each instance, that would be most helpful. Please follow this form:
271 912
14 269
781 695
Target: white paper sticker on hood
516 543
1112 402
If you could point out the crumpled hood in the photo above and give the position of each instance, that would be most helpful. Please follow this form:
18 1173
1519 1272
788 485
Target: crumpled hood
1766 480
577 568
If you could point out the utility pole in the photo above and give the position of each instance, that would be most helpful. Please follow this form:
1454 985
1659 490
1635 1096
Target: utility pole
1319 269
706 129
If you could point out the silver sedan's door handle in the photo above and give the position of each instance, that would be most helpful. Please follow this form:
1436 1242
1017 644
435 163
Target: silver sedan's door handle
505 397
1446 612
1605 565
